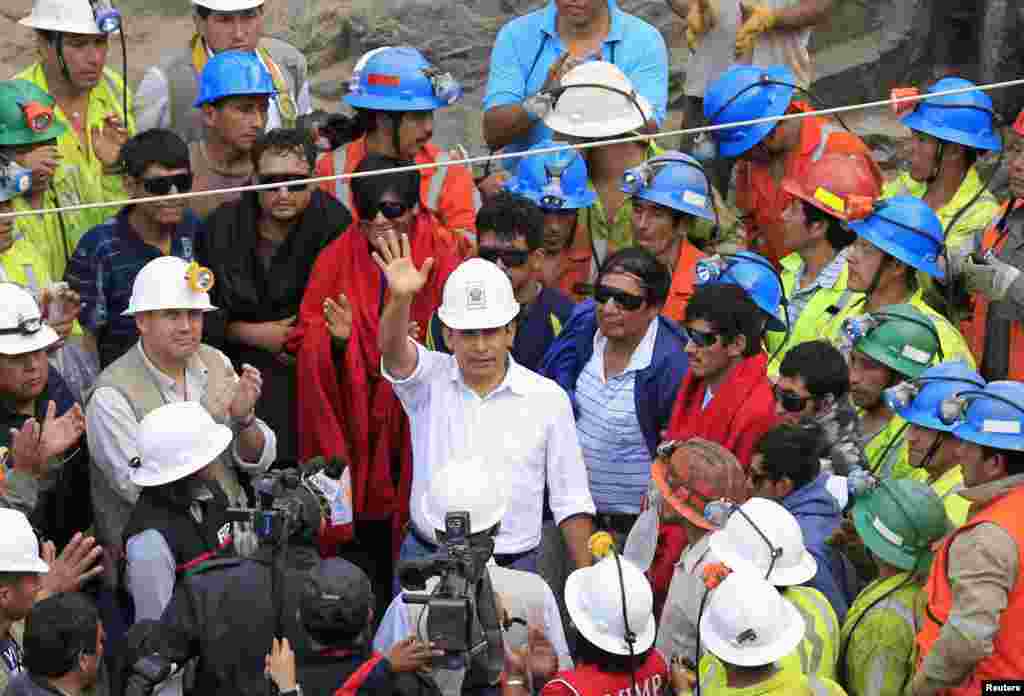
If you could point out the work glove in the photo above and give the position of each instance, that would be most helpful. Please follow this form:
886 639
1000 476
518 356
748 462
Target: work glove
759 20
989 276
700 19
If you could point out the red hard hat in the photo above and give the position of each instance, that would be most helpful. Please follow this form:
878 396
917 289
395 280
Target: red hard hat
1018 125
837 182
697 472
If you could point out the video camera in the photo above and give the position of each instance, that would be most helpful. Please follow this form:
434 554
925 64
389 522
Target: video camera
462 618
289 500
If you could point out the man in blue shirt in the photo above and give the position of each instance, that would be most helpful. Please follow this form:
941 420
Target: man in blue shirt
533 52
109 256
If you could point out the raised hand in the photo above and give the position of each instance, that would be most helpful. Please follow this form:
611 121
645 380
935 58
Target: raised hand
395 259
247 393
338 317
279 665
108 139
75 565
411 655
60 434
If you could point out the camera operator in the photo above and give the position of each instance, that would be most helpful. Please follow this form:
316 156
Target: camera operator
514 598
180 521
228 612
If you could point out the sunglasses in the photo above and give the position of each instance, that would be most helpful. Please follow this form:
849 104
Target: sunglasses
628 302
702 339
161 185
790 400
390 209
512 258
284 179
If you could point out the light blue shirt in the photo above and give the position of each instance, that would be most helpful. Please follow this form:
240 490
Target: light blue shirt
614 449
527 46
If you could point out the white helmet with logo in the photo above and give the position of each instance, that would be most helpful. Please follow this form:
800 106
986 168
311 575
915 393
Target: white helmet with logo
171 283
19 545
593 597
175 441
611 107
22 329
66 16
228 5
740 545
468 485
478 295
747 622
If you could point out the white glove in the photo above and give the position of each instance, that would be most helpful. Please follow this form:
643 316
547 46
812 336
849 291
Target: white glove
991 278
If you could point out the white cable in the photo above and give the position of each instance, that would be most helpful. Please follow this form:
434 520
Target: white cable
524 153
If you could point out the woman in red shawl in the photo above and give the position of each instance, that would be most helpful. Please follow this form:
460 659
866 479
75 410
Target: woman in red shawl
345 408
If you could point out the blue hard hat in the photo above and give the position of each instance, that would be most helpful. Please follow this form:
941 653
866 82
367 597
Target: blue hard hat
906 228
743 93
553 180
674 180
752 272
994 416
399 78
233 74
920 404
967 118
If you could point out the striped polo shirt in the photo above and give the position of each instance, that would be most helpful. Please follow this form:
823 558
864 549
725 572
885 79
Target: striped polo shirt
614 450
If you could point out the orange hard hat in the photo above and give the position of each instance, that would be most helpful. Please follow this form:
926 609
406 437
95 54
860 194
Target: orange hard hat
1018 125
693 473
837 182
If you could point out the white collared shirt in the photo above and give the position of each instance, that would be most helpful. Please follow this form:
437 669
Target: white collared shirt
525 425
113 429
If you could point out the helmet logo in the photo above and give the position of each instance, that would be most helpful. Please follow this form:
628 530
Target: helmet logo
200 278
476 296
887 534
380 80
748 636
1001 427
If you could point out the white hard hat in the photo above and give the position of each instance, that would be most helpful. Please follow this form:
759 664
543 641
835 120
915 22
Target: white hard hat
747 622
67 16
469 485
598 112
22 329
478 295
19 545
739 545
228 5
168 282
593 597
176 440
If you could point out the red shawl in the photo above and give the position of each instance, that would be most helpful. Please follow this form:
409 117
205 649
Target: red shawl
740 412
353 413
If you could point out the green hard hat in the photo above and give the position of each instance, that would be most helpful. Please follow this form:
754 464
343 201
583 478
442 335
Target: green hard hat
899 520
15 130
901 337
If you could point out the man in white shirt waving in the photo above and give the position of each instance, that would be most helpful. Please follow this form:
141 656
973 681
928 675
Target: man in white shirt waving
479 402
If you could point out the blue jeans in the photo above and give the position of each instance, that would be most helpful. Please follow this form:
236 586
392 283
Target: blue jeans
412 549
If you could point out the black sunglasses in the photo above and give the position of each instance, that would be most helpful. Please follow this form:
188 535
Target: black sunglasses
628 302
702 339
390 209
161 185
284 179
790 400
512 258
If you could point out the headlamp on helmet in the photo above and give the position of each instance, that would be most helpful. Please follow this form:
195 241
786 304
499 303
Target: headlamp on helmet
15 180
953 410
638 178
108 19
445 86
200 278
855 329
38 117
710 269
552 195
904 107
901 395
26 326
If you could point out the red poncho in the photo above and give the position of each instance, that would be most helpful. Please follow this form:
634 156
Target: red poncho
741 411
349 410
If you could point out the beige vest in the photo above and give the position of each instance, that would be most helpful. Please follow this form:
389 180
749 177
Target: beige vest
129 376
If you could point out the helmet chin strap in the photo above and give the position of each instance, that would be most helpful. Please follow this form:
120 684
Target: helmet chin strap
58 44
876 279
932 450
937 166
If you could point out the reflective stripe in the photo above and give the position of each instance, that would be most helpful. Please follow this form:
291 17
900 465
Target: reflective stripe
817 687
900 609
874 684
809 663
556 324
437 182
831 620
342 190
566 684
827 129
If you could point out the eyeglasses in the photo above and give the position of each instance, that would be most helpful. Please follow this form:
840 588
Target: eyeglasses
702 339
390 209
790 400
284 179
512 258
625 300
161 185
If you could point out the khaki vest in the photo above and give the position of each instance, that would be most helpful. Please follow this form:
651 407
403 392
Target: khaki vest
183 84
128 376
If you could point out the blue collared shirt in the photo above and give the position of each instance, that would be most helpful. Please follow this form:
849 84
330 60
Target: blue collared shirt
527 46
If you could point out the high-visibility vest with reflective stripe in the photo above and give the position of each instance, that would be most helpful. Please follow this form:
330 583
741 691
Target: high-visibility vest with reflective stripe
714 683
948 487
872 613
1007 658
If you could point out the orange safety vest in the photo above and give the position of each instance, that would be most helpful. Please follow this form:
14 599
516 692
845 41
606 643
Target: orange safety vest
447 192
683 279
762 199
973 329
1007 658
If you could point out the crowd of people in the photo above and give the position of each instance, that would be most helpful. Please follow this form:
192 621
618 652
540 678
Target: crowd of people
738 418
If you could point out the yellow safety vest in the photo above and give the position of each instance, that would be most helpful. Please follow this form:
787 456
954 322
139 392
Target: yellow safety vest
947 487
22 264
